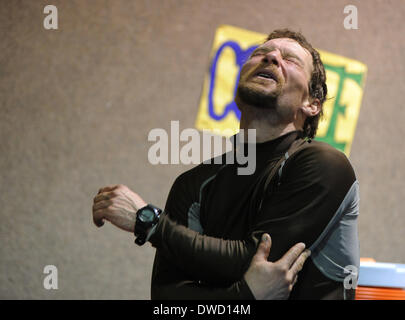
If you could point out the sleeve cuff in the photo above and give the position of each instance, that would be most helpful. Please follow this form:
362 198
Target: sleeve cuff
245 291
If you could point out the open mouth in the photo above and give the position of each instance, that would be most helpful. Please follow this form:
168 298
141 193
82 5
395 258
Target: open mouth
266 74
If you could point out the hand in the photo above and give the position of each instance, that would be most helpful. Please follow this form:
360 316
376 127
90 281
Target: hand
274 281
117 204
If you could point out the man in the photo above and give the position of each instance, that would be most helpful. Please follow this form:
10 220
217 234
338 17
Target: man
214 219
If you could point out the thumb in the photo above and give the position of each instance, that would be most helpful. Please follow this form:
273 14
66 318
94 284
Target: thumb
263 250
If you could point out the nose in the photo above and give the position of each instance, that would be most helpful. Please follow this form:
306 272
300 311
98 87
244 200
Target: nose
272 57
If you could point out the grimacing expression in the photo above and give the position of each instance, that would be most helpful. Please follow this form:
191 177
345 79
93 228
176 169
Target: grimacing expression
276 75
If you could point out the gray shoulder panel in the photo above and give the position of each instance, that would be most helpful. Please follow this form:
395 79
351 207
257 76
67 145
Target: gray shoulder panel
337 249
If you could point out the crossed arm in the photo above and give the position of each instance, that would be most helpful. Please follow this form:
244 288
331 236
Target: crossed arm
174 241
263 279
299 210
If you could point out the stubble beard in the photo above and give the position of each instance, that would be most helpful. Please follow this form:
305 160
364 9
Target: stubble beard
254 102
250 95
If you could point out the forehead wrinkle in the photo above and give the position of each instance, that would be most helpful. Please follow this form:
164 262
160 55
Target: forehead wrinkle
278 43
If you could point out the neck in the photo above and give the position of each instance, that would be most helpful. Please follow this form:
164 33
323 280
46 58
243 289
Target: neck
267 123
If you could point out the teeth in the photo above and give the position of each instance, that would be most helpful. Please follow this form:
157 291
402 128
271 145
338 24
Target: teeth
265 75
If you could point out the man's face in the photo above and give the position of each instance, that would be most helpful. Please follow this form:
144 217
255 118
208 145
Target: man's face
276 75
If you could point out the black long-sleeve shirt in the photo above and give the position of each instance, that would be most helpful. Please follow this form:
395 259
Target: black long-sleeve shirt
210 232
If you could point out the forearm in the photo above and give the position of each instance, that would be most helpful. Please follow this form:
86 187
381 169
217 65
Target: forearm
170 282
191 290
207 258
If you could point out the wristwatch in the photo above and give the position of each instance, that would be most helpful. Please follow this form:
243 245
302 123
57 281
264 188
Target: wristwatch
146 221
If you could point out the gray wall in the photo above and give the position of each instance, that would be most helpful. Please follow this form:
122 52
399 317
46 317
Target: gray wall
77 104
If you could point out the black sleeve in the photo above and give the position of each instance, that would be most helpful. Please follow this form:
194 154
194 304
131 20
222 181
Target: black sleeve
170 280
312 187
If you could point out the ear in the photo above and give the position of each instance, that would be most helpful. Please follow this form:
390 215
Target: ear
312 107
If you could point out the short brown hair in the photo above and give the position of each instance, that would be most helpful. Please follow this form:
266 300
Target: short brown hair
317 84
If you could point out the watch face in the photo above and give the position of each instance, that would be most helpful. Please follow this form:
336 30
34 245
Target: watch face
147 215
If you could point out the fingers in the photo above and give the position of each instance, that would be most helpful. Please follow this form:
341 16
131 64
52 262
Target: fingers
263 250
101 202
105 195
297 267
98 218
295 280
292 255
290 287
108 188
299 263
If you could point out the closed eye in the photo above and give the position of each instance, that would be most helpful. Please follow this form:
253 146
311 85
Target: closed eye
293 59
256 53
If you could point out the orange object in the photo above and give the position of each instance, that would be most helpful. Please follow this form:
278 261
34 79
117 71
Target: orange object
379 293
